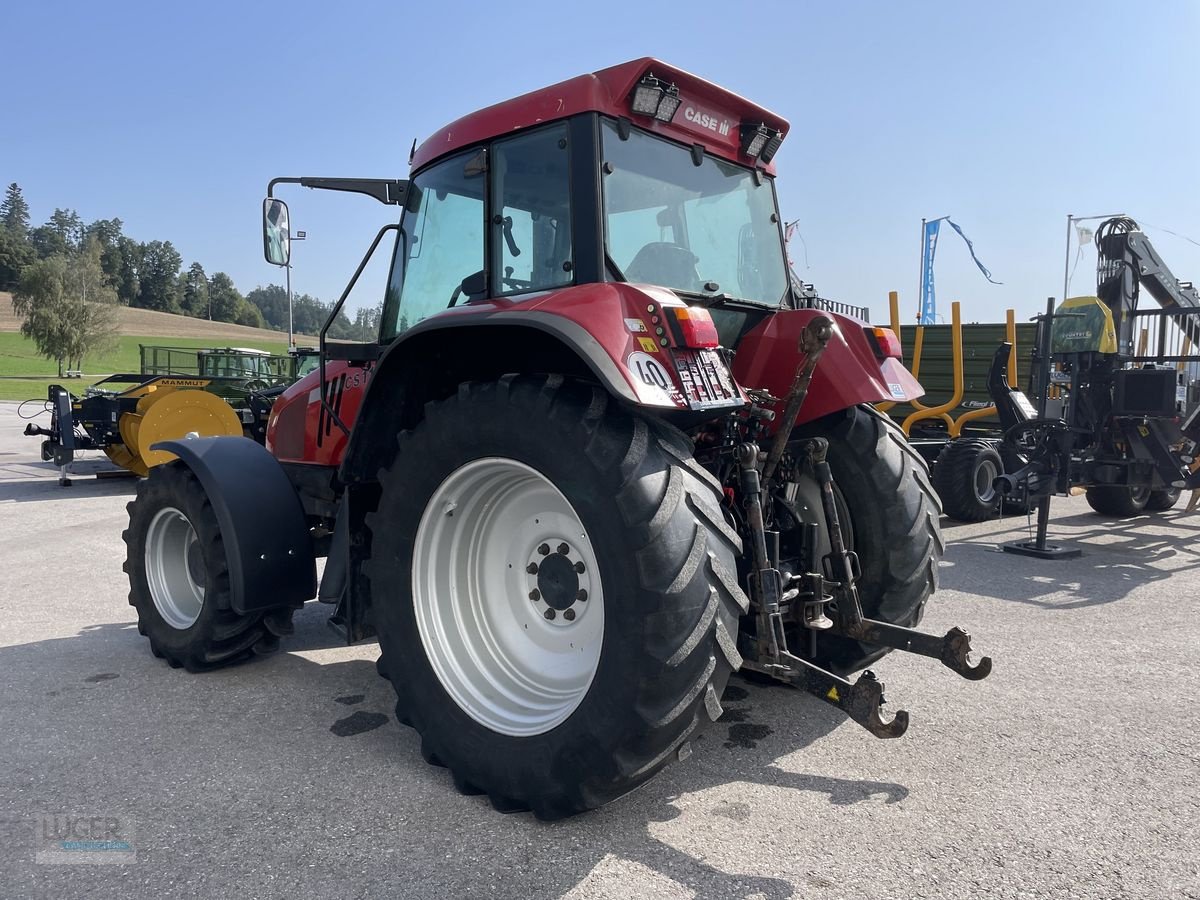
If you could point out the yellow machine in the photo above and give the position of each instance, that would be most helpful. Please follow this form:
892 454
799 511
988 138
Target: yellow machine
126 415
167 409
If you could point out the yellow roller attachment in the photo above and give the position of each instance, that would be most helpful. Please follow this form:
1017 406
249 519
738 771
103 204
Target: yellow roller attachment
171 415
125 453
122 457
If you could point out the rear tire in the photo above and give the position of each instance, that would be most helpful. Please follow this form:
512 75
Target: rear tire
1160 501
536 456
179 578
1118 500
894 516
963 477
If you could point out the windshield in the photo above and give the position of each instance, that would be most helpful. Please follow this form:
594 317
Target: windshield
678 225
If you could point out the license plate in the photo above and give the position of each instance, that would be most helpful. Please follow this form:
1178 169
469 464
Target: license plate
705 380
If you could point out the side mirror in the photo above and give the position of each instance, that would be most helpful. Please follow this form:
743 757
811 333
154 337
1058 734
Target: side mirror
277 238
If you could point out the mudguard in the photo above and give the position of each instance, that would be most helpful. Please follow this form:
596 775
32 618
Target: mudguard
266 537
849 374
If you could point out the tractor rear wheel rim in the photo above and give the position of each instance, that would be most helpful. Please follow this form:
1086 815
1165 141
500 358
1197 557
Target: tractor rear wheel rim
514 646
175 568
985 474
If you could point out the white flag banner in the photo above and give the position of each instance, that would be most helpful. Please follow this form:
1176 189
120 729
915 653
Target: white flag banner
1085 235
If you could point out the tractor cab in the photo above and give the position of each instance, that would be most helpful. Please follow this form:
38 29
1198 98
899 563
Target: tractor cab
638 174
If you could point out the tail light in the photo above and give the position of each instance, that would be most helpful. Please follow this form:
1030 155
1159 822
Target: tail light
692 326
884 342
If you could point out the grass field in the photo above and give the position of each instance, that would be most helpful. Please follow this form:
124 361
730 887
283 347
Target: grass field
24 374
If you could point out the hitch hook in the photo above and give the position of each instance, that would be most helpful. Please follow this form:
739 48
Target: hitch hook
861 700
956 653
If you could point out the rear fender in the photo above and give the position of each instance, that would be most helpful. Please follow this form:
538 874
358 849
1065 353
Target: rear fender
607 333
849 372
263 528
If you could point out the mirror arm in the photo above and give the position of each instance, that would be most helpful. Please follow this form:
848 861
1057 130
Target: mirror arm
333 314
391 191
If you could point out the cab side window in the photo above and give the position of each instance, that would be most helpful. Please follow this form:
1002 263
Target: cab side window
531 199
440 246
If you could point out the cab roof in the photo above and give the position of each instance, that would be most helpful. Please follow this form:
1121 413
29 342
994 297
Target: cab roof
707 115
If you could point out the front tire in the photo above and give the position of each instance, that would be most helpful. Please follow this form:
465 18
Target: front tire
963 476
1161 501
1118 500
501 506
179 578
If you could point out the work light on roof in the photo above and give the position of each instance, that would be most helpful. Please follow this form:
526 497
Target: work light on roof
652 98
760 142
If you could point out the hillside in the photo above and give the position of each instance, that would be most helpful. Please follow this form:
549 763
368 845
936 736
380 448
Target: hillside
145 322
24 373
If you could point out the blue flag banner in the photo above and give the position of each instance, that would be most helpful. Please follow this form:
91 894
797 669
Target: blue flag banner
928 300
929 248
971 247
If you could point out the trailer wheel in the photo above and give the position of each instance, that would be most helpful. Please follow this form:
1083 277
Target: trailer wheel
894 525
1160 501
963 476
554 587
179 578
1118 500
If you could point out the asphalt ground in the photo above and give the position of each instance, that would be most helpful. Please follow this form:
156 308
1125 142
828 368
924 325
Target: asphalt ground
1071 772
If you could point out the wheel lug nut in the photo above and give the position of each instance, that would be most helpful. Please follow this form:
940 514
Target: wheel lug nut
535 595
544 549
532 568
581 596
564 549
569 615
579 568
550 614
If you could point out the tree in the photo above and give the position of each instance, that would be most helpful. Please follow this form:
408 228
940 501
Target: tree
195 292
15 254
61 235
14 211
341 327
225 299
108 233
250 315
272 303
158 277
67 306
366 323
128 282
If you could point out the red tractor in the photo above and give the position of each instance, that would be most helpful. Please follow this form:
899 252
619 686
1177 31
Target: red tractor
602 454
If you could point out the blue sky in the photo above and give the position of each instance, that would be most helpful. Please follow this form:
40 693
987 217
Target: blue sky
1005 116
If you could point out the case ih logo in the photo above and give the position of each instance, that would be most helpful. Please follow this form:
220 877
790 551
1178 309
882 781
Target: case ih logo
707 120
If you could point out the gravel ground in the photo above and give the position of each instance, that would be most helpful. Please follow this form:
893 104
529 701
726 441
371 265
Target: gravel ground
1070 772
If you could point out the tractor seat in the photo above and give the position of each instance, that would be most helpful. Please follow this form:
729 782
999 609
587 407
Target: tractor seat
665 264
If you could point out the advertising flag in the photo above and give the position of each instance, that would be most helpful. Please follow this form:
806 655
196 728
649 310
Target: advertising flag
928 300
971 247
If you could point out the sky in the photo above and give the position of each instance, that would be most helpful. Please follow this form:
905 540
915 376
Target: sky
1005 116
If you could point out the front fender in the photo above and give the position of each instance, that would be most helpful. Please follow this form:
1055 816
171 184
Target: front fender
849 372
267 543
